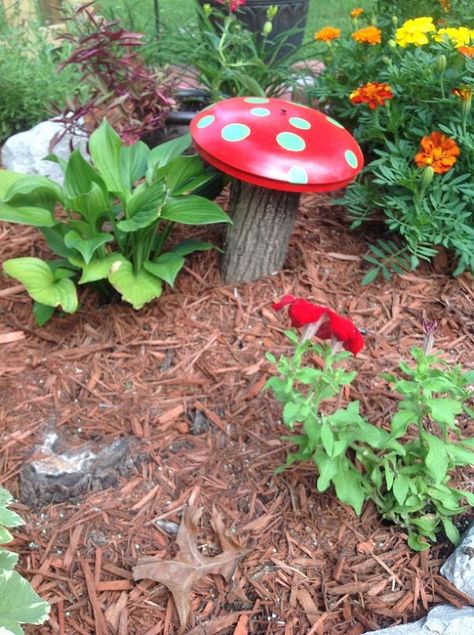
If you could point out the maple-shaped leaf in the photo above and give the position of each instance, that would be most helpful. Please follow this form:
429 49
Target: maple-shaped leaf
190 565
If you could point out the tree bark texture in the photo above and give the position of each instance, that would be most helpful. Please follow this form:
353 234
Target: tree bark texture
256 243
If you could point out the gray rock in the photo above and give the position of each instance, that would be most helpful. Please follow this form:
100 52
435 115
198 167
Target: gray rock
442 620
459 567
24 152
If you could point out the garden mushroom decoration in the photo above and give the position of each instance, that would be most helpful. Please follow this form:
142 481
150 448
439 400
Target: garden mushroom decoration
274 149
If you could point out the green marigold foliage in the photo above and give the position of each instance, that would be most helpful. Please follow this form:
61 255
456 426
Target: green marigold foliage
405 90
19 604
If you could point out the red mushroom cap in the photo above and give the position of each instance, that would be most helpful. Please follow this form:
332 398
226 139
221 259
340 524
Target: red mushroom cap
276 144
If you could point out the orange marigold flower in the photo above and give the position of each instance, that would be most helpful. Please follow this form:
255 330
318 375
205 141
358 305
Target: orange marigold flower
445 5
327 34
368 35
355 13
373 94
467 51
438 151
463 93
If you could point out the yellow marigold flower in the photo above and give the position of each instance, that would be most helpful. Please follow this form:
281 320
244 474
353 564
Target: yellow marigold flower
327 34
438 151
467 51
355 13
373 94
460 36
368 35
414 32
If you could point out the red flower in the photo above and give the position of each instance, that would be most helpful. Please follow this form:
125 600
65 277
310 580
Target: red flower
333 326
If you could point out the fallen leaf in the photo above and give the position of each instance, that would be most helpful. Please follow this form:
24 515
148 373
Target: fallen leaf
191 565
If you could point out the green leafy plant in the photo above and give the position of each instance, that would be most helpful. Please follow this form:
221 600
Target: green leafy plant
31 88
229 60
406 469
406 92
119 212
19 603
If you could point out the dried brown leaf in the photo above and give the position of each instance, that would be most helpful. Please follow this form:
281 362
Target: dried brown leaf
191 565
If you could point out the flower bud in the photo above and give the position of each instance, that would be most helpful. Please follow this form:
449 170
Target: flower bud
426 178
395 20
267 28
272 11
440 64
207 9
392 44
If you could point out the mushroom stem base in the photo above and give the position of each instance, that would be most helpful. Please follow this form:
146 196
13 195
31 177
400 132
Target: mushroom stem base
256 244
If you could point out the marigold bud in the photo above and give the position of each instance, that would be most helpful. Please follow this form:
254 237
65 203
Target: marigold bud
440 64
272 11
426 178
207 9
267 28
394 20
392 44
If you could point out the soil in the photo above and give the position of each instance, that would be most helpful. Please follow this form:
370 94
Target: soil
183 379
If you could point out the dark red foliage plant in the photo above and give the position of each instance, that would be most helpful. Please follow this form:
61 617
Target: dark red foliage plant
132 96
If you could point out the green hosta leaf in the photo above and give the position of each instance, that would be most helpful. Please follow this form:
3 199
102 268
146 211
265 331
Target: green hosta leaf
34 216
5 497
86 247
54 237
193 210
19 604
133 162
7 178
451 531
34 191
181 171
99 269
189 246
444 410
348 488
144 207
9 518
43 285
167 266
400 487
105 147
79 176
8 559
42 313
135 288
91 205
5 536
165 152
436 459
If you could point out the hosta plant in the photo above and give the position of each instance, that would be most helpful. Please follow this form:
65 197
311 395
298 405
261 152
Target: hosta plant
19 603
405 89
406 468
109 222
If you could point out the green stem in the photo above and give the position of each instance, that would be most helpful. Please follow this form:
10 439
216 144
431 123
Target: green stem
162 239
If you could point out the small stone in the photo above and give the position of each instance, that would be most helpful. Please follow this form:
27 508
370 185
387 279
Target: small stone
459 567
24 152
442 620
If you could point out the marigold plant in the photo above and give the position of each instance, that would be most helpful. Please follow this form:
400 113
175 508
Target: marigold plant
407 98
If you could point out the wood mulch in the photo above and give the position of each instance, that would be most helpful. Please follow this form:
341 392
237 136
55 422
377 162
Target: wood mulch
184 378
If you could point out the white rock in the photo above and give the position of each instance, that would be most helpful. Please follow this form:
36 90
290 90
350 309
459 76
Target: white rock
459 567
24 152
442 620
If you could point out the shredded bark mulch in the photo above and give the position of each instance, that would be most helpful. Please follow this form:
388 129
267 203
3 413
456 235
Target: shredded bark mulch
181 383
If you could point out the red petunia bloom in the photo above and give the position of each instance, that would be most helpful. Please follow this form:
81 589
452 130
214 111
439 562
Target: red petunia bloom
331 325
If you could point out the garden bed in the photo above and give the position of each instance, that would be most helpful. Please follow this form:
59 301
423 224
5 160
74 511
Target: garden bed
183 377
